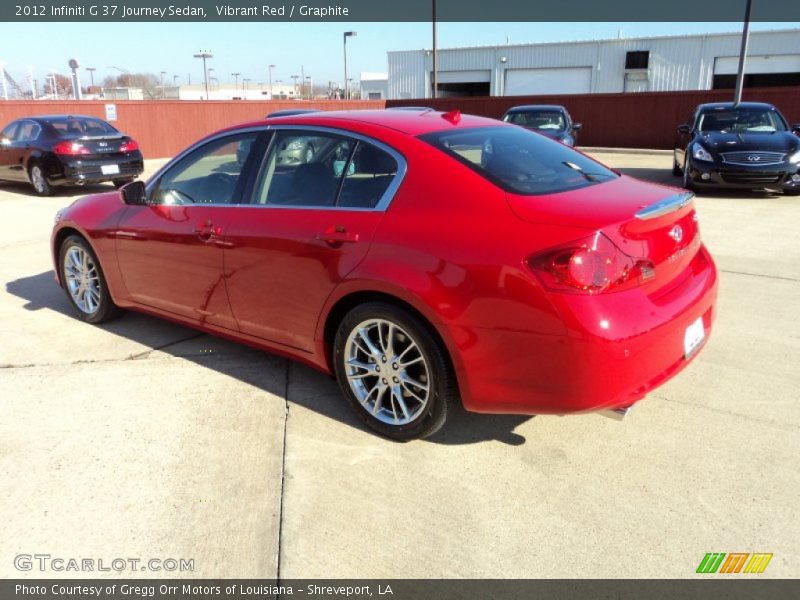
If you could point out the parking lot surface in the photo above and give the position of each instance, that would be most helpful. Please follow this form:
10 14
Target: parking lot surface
145 439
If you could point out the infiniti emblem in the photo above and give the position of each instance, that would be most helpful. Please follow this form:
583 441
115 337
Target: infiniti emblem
753 158
676 233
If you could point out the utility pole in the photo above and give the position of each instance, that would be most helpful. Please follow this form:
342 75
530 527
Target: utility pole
295 84
743 53
269 68
236 81
205 54
347 34
91 74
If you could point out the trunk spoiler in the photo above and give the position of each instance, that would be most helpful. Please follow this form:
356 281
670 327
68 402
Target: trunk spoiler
94 138
665 206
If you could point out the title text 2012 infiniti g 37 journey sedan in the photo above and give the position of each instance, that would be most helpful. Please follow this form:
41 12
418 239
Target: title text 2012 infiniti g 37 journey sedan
421 258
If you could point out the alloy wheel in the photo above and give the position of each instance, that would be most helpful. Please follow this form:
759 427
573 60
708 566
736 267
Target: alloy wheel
387 371
82 279
37 179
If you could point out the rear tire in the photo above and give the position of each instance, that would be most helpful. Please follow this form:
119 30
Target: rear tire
676 170
393 371
38 180
84 283
792 192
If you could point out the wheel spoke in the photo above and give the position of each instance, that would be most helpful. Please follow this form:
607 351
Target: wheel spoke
410 362
365 338
378 398
412 392
414 382
398 396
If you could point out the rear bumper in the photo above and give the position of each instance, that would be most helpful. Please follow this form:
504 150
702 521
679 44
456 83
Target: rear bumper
74 171
619 347
780 177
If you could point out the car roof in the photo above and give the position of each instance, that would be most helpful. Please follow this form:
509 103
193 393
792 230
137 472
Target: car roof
51 117
404 121
724 105
527 107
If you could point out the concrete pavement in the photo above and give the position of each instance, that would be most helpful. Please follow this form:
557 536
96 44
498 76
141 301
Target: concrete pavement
144 439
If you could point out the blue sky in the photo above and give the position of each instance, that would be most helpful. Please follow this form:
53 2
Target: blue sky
249 47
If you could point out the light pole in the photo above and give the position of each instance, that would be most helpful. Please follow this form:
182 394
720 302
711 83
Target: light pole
236 81
211 77
244 86
163 92
205 54
174 81
269 68
295 77
743 53
349 86
310 87
91 74
435 55
347 34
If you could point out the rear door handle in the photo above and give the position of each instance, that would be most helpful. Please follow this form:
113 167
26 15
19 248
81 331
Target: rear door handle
334 236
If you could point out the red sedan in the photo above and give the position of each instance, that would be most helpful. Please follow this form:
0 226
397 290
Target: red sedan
422 258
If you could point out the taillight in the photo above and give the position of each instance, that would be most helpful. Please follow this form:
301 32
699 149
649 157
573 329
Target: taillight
129 146
593 266
70 148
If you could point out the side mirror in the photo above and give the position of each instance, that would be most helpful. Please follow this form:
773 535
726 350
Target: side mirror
685 128
134 193
577 126
796 128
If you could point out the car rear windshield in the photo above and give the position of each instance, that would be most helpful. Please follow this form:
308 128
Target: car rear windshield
549 120
80 126
741 120
520 161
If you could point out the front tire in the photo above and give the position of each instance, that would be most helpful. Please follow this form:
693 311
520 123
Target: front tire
687 182
84 282
393 371
676 170
39 181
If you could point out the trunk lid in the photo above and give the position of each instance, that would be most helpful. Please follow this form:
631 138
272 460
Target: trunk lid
665 232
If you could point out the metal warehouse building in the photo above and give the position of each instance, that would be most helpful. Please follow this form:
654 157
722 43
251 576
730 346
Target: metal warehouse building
655 64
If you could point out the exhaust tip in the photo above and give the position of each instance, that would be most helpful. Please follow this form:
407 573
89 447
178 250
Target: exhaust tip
619 413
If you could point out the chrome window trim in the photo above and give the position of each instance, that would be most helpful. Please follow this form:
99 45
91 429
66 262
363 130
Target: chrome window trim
38 130
381 206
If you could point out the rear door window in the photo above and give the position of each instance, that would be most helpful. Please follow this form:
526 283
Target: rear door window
369 174
27 131
520 161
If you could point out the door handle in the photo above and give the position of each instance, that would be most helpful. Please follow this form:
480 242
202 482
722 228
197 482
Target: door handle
333 236
206 231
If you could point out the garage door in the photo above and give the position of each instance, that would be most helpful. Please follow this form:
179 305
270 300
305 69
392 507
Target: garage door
529 82
776 63
760 71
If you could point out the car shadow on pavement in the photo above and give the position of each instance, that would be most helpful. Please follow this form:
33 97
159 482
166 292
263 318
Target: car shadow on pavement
25 189
307 387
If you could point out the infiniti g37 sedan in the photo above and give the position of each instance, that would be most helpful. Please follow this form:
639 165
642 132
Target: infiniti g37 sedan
66 150
420 258
747 145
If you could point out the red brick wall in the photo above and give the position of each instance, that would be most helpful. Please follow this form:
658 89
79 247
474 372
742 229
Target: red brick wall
633 120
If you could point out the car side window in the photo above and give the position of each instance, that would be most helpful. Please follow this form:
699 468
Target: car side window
27 131
9 131
369 174
209 175
303 168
